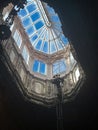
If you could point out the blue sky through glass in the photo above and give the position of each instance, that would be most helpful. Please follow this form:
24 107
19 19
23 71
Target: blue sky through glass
39 67
59 67
31 7
30 30
42 68
34 22
45 47
35 66
39 24
64 39
35 16
26 22
22 13
53 47
33 39
44 37
38 45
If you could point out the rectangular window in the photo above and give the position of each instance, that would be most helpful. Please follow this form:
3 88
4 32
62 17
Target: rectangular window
59 67
39 24
52 47
35 16
42 68
26 22
39 67
25 54
22 13
31 7
17 38
36 66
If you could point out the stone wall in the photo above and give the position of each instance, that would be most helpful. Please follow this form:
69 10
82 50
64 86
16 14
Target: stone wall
39 90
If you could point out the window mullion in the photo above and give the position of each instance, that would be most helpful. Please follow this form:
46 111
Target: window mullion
39 67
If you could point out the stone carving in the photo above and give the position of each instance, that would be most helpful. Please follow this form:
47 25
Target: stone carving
39 88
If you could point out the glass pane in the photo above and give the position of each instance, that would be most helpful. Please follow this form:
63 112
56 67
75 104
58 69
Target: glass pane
33 39
19 41
45 47
62 66
57 27
25 54
30 30
17 38
26 22
50 10
22 13
57 32
64 39
38 25
55 18
56 65
31 8
39 32
52 38
54 34
47 35
59 45
59 67
38 45
35 66
55 68
35 16
52 47
42 68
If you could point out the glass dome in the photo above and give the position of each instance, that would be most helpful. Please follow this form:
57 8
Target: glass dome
43 27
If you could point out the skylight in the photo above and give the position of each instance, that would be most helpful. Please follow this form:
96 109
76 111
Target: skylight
41 77
43 27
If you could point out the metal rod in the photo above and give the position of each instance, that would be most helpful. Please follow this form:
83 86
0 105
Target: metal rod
58 82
